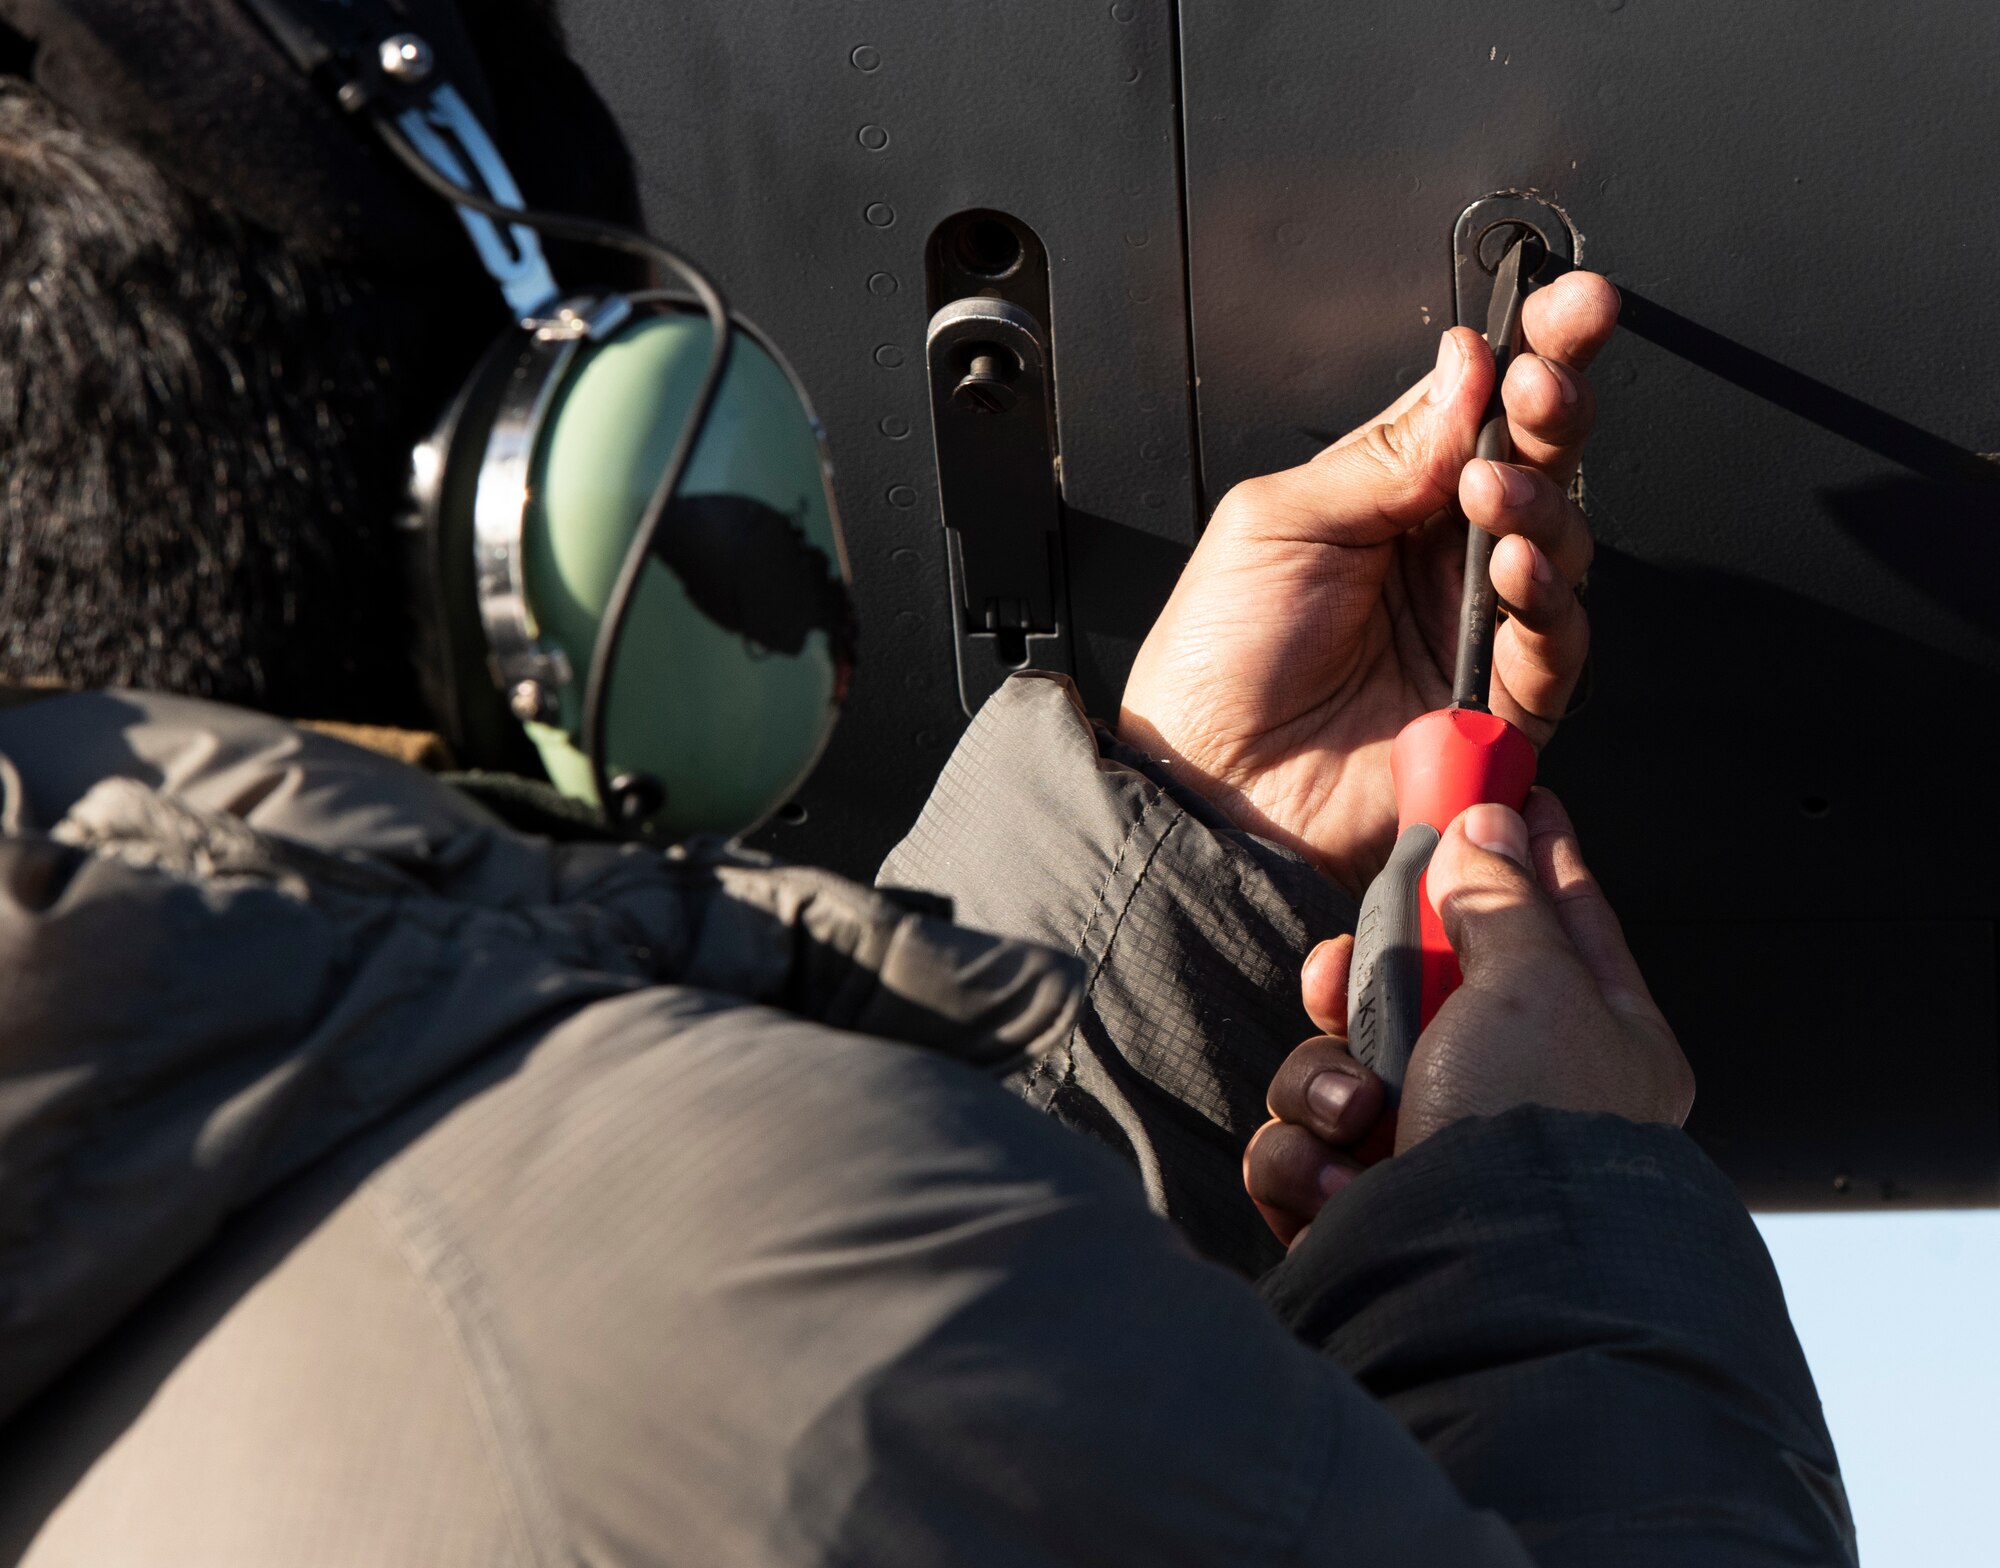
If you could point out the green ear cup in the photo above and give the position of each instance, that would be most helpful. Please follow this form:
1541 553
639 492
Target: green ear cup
737 648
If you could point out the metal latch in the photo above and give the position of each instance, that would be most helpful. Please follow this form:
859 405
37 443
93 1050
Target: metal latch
992 413
1483 235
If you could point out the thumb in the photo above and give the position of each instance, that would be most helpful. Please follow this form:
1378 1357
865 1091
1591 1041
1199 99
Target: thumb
1480 885
1387 477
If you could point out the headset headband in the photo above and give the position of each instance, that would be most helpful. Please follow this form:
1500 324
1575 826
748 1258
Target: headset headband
366 55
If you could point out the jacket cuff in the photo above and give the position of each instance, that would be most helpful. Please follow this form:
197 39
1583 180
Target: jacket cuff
1576 1316
1191 931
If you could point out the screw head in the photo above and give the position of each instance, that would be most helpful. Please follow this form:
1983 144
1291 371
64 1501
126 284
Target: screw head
984 388
636 797
525 701
406 58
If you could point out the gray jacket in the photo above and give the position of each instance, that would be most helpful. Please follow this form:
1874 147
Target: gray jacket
380 1185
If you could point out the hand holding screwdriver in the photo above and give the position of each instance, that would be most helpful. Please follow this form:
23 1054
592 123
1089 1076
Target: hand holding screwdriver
1553 1012
1442 763
1319 613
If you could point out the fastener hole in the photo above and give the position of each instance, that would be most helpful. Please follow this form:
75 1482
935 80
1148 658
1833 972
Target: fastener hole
1499 239
987 248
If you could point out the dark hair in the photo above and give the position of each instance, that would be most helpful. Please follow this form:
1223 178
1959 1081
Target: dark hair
203 438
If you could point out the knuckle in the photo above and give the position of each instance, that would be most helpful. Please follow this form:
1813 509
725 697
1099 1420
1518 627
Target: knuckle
1398 454
1585 541
1280 1165
1246 495
1257 1161
1479 889
1395 455
1511 990
1245 500
1260 506
1385 444
1404 468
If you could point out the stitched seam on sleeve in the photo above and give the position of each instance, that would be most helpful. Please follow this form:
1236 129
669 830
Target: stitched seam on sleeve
1145 837
1046 1079
1150 834
1104 897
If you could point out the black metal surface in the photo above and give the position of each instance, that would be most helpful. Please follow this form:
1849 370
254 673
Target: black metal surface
806 154
1779 771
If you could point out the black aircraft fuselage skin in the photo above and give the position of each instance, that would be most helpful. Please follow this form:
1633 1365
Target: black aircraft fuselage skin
1245 213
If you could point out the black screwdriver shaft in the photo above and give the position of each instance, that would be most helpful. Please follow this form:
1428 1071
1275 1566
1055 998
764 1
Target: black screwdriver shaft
1479 604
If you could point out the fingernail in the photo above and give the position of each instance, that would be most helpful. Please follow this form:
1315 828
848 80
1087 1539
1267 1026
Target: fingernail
1450 365
1332 1178
1328 1094
1565 382
1543 568
1498 831
1516 488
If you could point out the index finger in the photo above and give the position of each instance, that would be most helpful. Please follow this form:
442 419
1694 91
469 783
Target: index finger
1571 319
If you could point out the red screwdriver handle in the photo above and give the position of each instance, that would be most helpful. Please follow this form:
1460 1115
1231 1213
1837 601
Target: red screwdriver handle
1404 967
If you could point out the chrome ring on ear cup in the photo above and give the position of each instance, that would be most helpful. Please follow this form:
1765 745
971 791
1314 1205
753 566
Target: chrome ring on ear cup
529 672
448 644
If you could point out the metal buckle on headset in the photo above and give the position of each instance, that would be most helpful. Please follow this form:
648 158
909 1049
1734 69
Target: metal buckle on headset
373 67
585 317
448 136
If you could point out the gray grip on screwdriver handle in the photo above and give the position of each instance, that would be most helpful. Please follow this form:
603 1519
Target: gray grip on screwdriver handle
1385 981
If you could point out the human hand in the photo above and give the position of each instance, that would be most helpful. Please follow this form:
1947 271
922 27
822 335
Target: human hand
1319 613
1552 1011
1324 1106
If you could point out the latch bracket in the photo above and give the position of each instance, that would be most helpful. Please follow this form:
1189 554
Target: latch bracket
992 414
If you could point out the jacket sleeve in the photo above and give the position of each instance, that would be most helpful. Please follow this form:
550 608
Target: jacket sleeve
1576 1317
1191 933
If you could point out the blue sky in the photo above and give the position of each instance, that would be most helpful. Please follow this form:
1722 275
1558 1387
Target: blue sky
1899 1314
